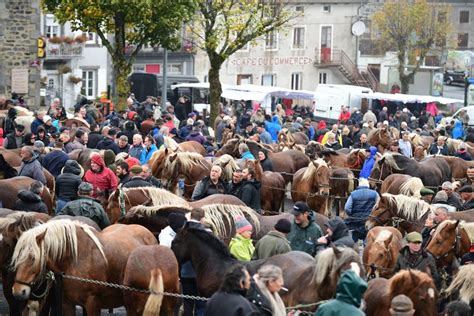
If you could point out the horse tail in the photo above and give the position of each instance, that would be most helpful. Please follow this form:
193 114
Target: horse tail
153 303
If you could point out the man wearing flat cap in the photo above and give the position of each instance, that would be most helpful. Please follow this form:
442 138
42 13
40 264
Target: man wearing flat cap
466 196
426 195
413 256
86 206
136 180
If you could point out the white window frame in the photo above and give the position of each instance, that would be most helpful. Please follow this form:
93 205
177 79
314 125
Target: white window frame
299 84
89 81
50 22
327 8
276 35
91 37
273 79
170 68
293 37
299 8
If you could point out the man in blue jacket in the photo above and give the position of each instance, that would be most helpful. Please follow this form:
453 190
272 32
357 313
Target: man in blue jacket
358 207
369 163
273 127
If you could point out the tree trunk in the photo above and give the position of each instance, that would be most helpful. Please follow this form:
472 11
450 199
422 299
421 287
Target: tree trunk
122 69
215 89
404 79
404 83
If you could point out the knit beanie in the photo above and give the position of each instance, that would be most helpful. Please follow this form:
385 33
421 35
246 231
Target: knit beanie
176 221
283 225
242 224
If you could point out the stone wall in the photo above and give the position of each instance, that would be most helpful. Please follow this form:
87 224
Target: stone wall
19 30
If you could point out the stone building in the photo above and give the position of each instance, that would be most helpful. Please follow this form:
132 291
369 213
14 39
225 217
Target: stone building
19 30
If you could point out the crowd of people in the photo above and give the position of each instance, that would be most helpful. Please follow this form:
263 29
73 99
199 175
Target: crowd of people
129 139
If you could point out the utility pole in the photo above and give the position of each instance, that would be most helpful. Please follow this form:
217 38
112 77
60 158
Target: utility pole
164 88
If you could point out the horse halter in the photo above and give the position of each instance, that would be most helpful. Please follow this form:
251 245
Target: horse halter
357 163
454 248
48 278
373 267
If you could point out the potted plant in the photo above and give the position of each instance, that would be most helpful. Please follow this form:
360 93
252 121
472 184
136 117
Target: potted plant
75 79
55 40
68 40
64 69
80 39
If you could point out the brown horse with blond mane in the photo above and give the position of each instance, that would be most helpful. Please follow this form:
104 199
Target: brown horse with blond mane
56 246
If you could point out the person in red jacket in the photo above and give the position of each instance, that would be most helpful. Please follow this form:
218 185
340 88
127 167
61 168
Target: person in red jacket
344 116
103 180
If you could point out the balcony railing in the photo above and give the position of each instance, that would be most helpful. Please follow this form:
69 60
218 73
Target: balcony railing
63 51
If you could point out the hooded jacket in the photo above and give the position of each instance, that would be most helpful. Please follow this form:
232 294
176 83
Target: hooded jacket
273 243
54 161
340 233
67 183
87 207
108 143
30 202
273 127
250 194
305 238
368 164
104 180
349 292
32 169
147 153
196 136
458 130
94 139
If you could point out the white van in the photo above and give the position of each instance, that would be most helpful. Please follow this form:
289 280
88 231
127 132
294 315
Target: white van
330 98
470 112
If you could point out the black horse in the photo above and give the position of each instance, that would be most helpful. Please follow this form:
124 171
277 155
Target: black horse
6 171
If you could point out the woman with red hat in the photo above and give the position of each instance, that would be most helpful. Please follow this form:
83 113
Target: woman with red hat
103 179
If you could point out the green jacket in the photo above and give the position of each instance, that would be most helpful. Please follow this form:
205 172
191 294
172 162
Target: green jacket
305 239
350 290
422 261
87 207
273 243
241 247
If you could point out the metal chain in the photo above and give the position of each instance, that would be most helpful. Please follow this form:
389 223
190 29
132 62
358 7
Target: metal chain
128 288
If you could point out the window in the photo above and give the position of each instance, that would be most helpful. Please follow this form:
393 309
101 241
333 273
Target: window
326 8
323 77
298 37
464 17
52 30
271 40
244 79
50 83
175 69
299 8
89 83
296 81
268 80
442 17
463 39
138 68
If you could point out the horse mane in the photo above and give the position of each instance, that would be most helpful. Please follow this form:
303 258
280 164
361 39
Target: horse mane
408 279
328 264
412 187
259 146
210 241
312 169
218 214
170 143
463 283
160 198
383 236
188 160
391 160
467 226
229 165
58 237
408 207
15 224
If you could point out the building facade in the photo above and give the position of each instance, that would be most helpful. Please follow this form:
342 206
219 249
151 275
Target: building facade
318 47
19 66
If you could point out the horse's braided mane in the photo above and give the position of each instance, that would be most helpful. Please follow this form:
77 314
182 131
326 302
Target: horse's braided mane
220 214
313 168
327 265
463 283
210 241
404 280
160 199
409 208
17 223
59 236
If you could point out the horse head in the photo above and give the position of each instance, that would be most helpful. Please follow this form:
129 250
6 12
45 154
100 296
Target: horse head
381 214
157 160
356 159
323 175
231 147
444 242
419 287
379 256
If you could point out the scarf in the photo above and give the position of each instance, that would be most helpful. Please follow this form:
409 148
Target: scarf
278 307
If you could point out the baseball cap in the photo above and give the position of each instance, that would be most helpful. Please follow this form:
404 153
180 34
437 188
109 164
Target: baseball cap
300 207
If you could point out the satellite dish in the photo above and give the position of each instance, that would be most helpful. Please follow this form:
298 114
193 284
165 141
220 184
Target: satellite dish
358 28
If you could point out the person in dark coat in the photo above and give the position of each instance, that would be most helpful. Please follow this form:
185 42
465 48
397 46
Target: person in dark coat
196 135
30 166
349 292
337 234
414 257
235 185
94 136
55 160
10 121
30 200
213 184
468 258
230 299
148 176
109 142
67 183
265 162
14 139
250 192
264 288
304 230
439 147
466 195
136 180
123 144
462 153
123 173
86 206
274 242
